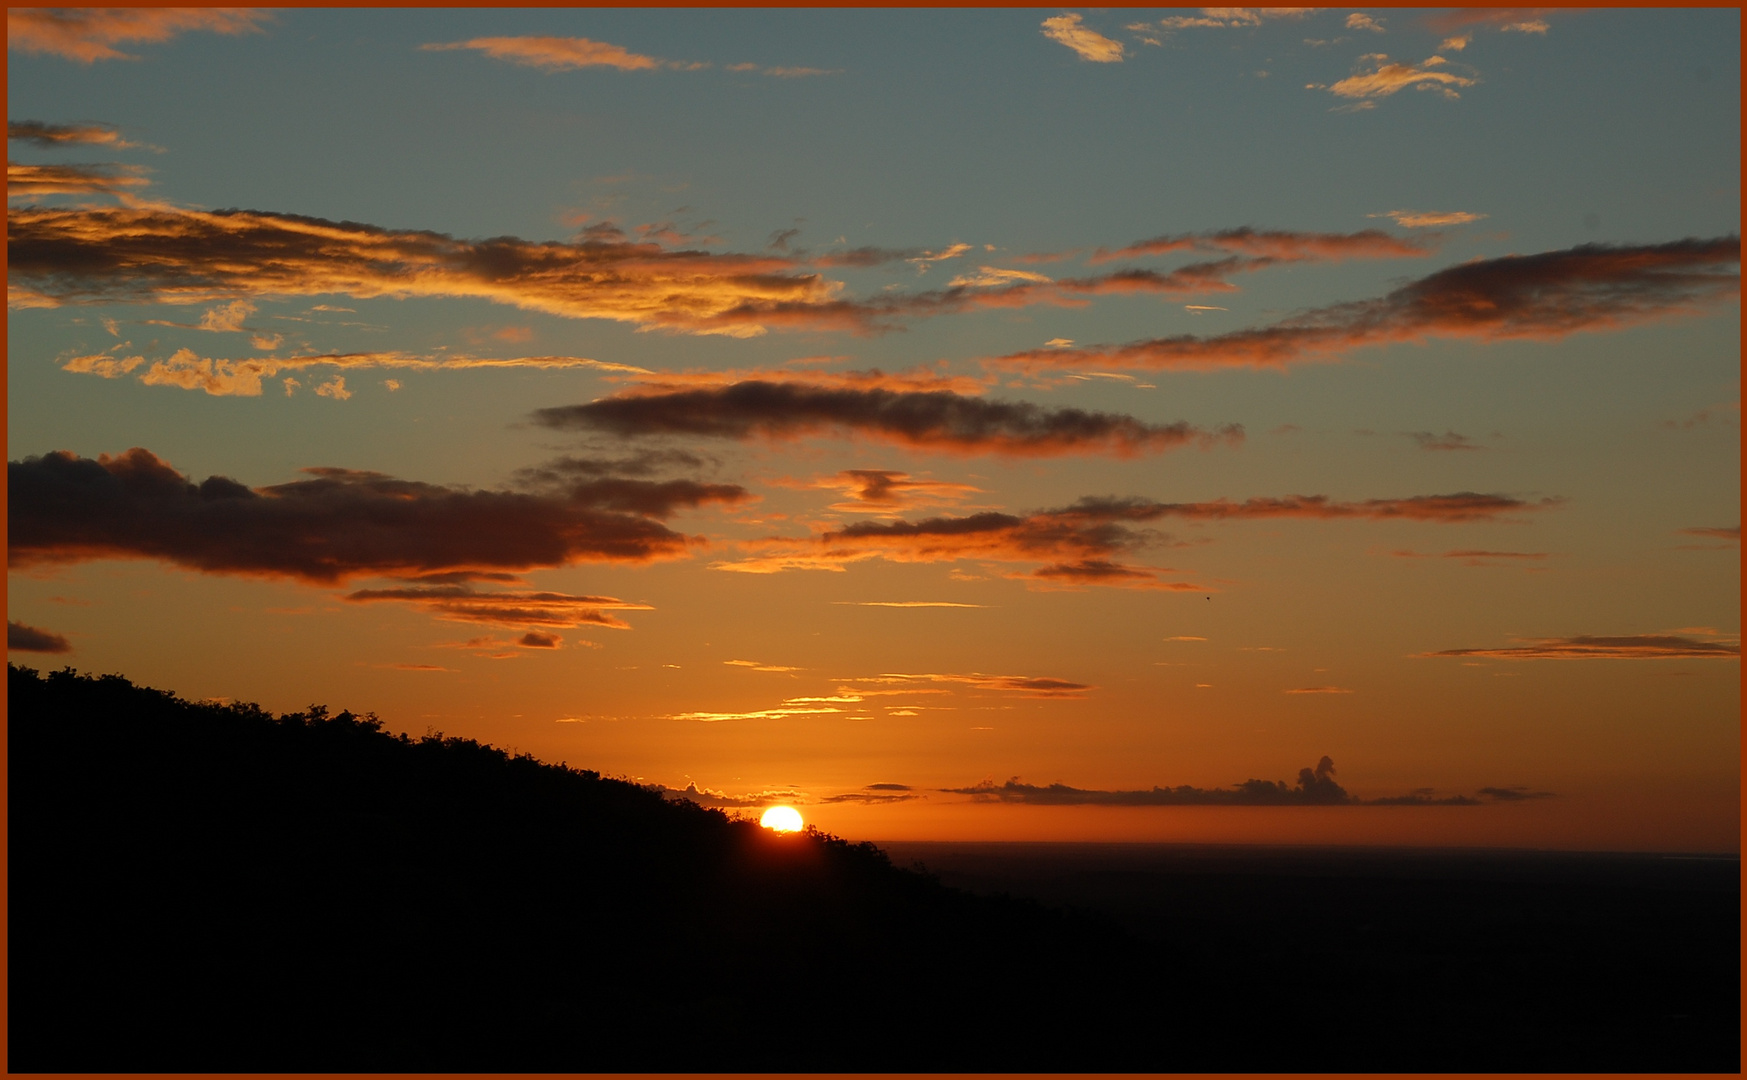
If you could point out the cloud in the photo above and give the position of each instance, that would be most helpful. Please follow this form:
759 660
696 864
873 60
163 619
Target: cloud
1020 685
1218 18
871 797
756 666
1360 21
90 34
22 638
556 53
1515 793
934 420
332 525
1724 532
1449 440
1315 787
242 378
905 603
29 181
719 801
1377 77
1521 20
1422 219
886 491
1545 296
515 610
334 388
1080 540
1274 244
1319 690
54 136
1088 43
164 254
1474 557
1585 647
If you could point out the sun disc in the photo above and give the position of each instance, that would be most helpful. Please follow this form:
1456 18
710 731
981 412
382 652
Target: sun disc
781 819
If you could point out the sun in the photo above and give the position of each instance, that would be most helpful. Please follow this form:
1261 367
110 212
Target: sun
781 819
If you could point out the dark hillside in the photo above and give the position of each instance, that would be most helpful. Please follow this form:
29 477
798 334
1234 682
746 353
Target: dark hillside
198 887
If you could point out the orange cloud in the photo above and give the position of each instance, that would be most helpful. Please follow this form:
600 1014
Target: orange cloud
1377 77
165 254
1721 532
1518 19
90 34
1544 296
28 181
242 378
1020 685
936 420
884 491
555 53
333 525
1088 43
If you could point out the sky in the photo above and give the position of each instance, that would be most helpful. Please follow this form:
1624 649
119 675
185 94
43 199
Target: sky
1311 426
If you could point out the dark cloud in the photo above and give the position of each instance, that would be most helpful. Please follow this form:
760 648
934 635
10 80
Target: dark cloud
534 639
889 787
1585 647
1315 787
333 525
870 797
22 638
938 419
1449 440
718 800
1543 296
1515 793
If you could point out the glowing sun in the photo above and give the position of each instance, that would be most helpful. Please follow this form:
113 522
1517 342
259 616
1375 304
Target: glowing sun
781 819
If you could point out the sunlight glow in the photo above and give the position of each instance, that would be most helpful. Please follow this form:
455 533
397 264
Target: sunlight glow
781 819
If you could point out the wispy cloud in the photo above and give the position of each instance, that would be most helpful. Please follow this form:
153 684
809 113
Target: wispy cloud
1274 244
55 136
936 420
1021 685
1545 296
1718 532
22 638
1070 30
1449 440
1424 219
34 181
165 254
1376 76
1585 647
91 34
243 377
1318 690
1315 787
906 603
558 53
1478 557
333 525
887 491
515 610
1080 542
1516 20
1360 21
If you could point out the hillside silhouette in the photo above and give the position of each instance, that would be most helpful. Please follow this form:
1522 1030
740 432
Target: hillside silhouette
207 887
200 887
